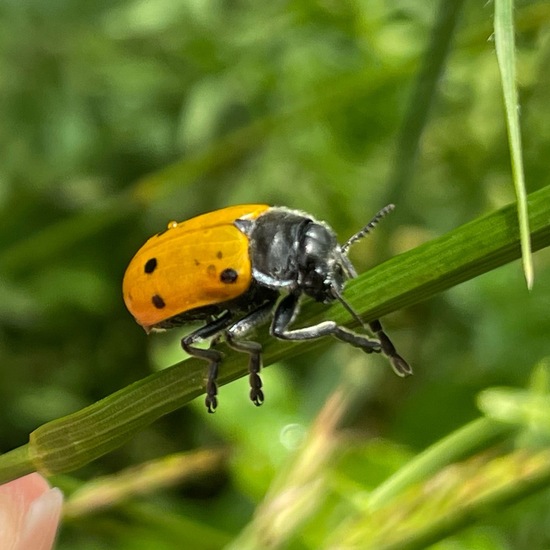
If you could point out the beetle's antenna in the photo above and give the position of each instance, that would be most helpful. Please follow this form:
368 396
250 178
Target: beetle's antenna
368 228
348 308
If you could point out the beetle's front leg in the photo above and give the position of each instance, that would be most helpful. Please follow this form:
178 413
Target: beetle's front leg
286 312
399 365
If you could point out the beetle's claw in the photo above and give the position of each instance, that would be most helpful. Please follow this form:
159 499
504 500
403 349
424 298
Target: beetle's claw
400 366
256 393
257 396
211 403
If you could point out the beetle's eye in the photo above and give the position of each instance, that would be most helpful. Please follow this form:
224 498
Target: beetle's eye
315 279
339 273
314 284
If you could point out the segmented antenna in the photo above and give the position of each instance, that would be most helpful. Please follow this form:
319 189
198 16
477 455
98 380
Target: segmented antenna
368 228
348 308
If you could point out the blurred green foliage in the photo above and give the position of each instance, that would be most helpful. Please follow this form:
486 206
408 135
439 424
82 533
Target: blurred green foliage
120 116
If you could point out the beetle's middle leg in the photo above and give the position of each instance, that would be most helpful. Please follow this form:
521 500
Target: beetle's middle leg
233 337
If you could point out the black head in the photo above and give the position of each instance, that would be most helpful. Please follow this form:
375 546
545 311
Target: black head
323 267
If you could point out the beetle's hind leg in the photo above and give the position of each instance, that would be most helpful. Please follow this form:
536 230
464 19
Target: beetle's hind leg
214 359
213 356
233 337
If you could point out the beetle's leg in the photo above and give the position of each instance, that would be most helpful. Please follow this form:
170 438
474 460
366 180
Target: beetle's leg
212 356
254 349
399 365
287 310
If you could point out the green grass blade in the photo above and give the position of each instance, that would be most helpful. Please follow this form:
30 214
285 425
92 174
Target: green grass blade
452 500
505 49
422 97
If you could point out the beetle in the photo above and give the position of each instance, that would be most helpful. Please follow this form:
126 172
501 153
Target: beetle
235 269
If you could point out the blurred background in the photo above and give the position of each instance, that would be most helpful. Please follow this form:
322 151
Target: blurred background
118 116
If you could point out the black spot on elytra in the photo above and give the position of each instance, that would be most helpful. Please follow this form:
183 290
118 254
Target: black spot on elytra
196 262
219 255
158 302
150 265
228 275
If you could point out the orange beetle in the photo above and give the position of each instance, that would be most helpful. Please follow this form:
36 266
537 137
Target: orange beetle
235 269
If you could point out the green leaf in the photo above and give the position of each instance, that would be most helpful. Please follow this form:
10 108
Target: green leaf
505 49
